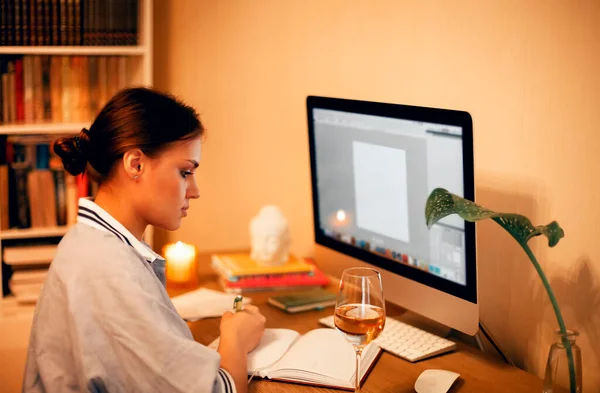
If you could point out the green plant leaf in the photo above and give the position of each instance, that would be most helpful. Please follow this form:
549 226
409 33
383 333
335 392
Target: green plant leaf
442 203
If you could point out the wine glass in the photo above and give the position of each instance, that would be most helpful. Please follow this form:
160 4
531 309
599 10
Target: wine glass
360 310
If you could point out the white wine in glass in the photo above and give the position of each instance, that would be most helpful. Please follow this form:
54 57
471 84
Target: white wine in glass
360 310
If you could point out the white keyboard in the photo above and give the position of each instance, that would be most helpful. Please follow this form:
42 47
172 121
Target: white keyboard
406 341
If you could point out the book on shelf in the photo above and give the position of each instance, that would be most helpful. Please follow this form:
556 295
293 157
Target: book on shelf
4 197
29 268
68 22
41 88
41 190
286 355
29 276
236 265
25 293
29 254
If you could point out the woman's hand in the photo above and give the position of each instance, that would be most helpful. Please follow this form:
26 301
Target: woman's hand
240 333
244 328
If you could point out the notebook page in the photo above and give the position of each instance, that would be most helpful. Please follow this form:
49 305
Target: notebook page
320 351
272 346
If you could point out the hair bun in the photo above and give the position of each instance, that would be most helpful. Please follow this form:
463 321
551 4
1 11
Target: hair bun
71 153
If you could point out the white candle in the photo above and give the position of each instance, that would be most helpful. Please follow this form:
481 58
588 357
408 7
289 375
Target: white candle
181 260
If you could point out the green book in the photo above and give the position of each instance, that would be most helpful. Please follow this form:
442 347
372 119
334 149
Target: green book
303 301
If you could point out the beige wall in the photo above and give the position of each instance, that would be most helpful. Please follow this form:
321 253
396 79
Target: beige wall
527 71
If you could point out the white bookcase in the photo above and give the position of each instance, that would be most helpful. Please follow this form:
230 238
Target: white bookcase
141 75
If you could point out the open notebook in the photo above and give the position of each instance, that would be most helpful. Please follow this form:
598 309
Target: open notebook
320 357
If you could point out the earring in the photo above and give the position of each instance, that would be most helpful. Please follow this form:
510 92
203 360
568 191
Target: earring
135 177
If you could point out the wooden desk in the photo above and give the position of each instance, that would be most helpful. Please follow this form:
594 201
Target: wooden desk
478 373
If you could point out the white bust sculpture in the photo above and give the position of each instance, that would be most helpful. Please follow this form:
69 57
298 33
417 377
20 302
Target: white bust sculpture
269 237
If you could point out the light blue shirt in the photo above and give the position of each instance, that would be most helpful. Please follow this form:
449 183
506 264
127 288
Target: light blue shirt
104 321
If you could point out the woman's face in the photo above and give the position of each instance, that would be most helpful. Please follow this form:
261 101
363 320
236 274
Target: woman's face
169 183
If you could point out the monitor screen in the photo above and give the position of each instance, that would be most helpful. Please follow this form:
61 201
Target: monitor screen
373 166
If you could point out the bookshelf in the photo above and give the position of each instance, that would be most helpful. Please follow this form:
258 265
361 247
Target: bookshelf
138 58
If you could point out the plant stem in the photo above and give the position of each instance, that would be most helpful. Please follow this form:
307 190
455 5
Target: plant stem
561 322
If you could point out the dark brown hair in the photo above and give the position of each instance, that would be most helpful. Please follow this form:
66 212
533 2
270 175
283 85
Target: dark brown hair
135 118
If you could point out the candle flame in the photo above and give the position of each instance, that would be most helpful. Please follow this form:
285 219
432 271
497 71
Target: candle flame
180 250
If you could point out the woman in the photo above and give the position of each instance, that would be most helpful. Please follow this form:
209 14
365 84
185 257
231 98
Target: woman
104 321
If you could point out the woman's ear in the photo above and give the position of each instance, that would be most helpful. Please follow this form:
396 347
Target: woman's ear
133 162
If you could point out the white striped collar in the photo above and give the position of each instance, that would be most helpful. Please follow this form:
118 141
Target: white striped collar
93 215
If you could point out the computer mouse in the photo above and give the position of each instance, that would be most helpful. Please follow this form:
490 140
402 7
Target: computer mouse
435 381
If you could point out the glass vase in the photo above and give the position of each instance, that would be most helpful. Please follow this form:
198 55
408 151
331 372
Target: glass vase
556 378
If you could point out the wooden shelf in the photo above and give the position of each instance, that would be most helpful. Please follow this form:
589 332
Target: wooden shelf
74 50
33 232
42 128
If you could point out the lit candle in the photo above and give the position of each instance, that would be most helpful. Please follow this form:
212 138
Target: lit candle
181 262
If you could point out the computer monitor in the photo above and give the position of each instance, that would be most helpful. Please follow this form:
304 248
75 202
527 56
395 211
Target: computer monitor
373 166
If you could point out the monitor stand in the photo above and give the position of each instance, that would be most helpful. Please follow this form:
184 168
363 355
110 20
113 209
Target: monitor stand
490 339
484 341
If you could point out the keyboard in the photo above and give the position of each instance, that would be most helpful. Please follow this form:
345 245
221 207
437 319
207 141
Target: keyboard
406 341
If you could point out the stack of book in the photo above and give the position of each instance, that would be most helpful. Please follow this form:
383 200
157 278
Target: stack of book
29 269
240 273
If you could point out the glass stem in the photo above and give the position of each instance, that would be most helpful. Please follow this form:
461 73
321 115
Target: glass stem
358 351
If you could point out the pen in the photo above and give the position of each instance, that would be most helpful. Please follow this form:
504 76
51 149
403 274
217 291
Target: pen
237 303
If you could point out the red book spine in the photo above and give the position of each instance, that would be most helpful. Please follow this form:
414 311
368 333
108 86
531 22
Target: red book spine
19 92
316 278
